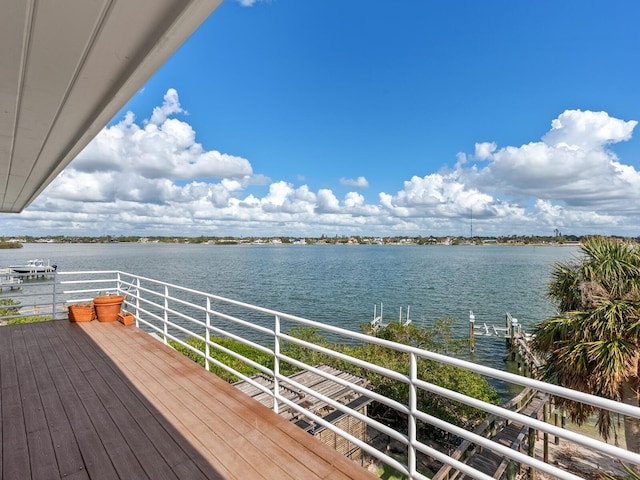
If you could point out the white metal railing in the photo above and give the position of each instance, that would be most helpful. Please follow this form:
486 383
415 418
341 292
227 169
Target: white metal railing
173 312
32 294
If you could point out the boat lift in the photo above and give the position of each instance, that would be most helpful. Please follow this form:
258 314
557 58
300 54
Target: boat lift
512 327
512 330
376 323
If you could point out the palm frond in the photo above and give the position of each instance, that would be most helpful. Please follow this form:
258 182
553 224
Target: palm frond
593 344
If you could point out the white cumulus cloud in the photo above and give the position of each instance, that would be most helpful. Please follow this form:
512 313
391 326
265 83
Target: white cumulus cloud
152 177
571 164
588 130
248 3
484 150
360 182
163 148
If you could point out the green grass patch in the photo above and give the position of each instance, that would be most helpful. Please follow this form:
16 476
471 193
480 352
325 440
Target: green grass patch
389 473
385 472
32 319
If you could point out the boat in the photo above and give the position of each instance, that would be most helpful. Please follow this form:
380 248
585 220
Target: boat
36 266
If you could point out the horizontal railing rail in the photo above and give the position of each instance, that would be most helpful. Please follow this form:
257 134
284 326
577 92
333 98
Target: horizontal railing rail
29 295
174 313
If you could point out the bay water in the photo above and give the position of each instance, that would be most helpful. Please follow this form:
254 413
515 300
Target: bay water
339 284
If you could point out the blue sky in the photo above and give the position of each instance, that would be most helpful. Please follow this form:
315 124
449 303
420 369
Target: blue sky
309 117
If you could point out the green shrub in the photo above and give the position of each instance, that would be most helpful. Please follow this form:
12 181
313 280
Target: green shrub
9 307
246 351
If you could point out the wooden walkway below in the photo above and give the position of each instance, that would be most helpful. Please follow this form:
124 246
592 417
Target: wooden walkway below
104 401
511 436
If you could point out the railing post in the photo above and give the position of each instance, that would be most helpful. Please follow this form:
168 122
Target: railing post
546 435
556 422
276 362
207 335
532 451
55 285
507 340
137 301
165 328
472 340
413 407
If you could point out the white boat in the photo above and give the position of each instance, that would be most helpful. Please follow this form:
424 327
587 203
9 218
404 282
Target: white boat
36 266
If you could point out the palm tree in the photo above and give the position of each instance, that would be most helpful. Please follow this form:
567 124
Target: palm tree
593 344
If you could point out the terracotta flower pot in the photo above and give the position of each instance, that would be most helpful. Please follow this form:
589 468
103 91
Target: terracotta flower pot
107 307
126 318
81 312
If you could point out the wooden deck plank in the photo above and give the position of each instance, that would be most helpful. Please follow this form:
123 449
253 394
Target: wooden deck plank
97 463
155 448
222 428
239 422
67 453
5 348
184 466
137 409
251 413
15 458
132 438
285 432
129 439
41 451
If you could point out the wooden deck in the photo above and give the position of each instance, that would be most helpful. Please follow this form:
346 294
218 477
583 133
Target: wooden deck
96 400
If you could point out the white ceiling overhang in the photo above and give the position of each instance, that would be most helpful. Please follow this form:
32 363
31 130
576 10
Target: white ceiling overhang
66 68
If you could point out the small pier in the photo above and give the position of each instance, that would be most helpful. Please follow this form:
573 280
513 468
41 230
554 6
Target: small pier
9 280
510 332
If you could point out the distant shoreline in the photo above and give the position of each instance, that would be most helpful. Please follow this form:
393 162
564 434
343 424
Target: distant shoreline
17 242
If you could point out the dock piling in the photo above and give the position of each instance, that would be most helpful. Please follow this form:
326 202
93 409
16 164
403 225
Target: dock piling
472 340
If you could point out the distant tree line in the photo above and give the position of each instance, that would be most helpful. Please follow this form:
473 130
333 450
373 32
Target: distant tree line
4 244
556 239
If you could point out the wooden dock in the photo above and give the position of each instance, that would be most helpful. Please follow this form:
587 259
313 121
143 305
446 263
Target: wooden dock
512 435
95 400
11 283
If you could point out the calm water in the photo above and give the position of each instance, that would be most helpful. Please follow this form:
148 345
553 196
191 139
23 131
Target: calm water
339 285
